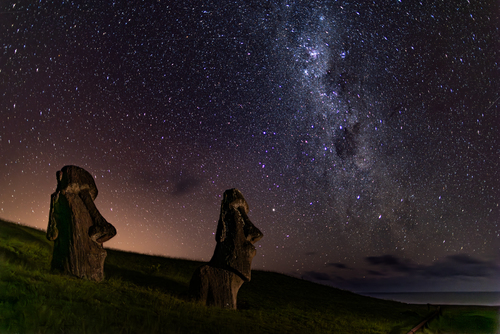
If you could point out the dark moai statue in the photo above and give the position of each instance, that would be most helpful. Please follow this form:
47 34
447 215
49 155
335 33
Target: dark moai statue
76 226
218 282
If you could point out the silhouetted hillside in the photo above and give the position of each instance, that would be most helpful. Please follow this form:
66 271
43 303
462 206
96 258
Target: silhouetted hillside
148 294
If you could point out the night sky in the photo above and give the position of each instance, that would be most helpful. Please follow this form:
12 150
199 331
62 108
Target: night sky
365 137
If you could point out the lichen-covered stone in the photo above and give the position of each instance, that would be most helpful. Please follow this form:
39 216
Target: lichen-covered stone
218 282
76 226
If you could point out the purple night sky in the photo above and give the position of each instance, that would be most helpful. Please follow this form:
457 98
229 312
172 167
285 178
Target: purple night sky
365 137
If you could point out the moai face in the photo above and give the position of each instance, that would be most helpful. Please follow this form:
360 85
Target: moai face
76 180
235 235
76 226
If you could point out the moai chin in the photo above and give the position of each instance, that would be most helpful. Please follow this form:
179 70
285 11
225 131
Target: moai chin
76 226
218 282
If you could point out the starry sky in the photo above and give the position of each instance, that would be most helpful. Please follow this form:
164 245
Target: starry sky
364 136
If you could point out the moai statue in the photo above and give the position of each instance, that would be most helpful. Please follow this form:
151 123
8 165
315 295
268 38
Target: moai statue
218 282
76 226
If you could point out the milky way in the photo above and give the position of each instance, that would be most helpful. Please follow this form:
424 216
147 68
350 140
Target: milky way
363 136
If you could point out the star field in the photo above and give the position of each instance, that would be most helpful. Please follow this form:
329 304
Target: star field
365 137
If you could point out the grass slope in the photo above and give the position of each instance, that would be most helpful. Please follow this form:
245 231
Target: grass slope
148 294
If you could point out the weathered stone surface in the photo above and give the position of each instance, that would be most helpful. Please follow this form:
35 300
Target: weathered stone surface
215 286
218 282
76 226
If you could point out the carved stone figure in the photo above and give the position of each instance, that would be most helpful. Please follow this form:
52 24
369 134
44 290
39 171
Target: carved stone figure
76 226
218 282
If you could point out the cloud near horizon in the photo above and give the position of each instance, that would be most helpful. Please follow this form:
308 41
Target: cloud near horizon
339 265
389 273
452 265
390 261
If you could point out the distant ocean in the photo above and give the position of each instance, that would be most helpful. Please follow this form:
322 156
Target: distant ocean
442 298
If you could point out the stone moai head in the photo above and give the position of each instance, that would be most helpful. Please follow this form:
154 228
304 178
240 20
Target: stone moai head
76 226
235 235
76 180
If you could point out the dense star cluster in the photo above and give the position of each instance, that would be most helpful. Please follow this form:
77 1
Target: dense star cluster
364 136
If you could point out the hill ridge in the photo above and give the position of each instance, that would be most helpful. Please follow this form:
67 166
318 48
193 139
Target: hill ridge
148 293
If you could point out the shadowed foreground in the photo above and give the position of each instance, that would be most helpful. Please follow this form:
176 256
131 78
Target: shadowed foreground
148 294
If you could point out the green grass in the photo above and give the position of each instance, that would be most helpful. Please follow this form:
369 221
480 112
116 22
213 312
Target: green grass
460 319
148 294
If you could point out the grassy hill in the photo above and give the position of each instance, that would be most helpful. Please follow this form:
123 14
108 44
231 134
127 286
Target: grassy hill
148 294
